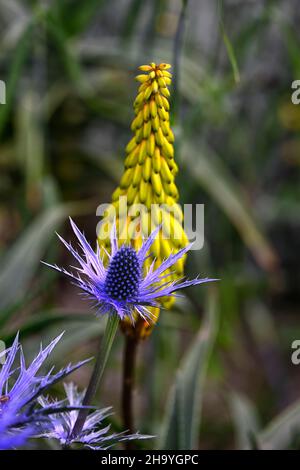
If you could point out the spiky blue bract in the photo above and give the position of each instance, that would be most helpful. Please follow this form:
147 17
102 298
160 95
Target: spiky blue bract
92 435
20 387
122 287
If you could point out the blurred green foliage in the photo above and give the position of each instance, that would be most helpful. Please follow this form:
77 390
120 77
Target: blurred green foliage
68 68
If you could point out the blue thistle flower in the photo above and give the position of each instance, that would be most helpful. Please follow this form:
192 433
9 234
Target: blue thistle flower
121 287
20 387
60 426
11 434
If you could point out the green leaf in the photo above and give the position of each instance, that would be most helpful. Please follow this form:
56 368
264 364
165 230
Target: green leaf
209 171
77 332
106 344
19 57
183 413
21 261
245 420
71 64
131 18
283 430
30 143
75 16
42 320
292 46
229 47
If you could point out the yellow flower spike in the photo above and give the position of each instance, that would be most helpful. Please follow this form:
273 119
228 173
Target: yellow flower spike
148 179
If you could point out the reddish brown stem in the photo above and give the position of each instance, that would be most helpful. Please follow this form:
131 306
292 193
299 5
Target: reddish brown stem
128 386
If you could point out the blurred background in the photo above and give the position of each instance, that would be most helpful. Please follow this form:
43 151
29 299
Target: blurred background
69 70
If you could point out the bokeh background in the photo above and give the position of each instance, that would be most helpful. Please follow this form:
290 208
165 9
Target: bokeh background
69 70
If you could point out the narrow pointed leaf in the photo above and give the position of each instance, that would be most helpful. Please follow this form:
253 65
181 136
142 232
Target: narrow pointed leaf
183 413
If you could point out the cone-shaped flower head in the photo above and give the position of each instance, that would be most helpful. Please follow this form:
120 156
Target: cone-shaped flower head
124 287
92 435
149 176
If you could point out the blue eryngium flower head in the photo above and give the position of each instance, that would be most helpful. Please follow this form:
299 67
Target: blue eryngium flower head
122 287
20 387
94 434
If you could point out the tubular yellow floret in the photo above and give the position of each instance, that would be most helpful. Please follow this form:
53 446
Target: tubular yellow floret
149 177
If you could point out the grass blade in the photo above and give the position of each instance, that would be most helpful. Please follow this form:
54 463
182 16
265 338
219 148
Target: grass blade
21 261
229 47
245 420
20 55
182 418
207 169
283 430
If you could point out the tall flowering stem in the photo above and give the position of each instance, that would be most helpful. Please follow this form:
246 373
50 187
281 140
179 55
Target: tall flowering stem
149 179
101 360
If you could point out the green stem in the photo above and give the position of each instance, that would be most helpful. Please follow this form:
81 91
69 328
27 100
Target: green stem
177 51
101 360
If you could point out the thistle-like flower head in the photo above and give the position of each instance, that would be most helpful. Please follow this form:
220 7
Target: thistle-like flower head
94 434
122 287
11 434
20 387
